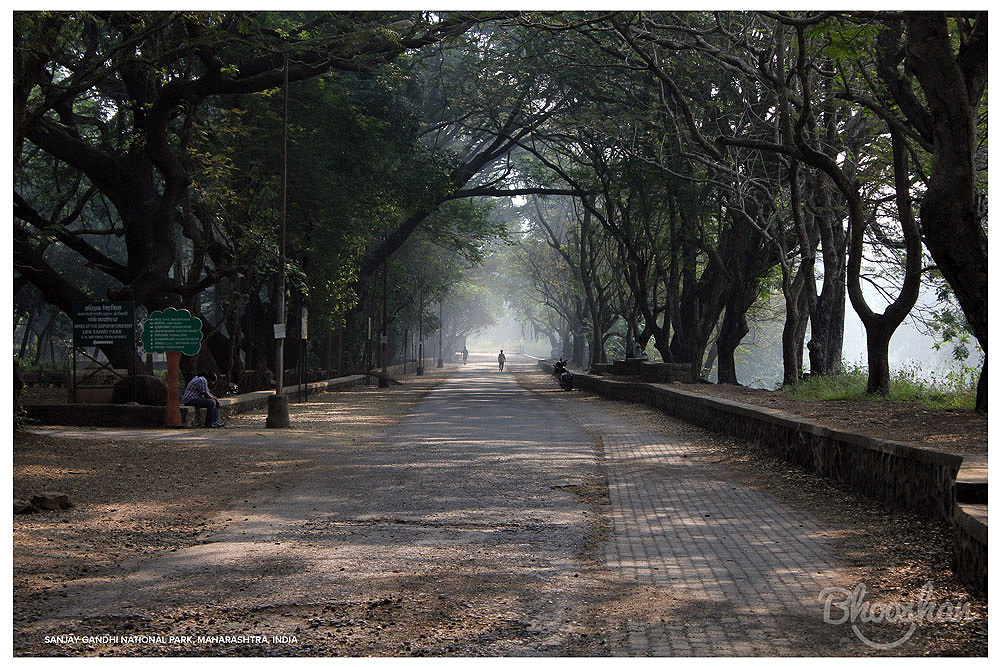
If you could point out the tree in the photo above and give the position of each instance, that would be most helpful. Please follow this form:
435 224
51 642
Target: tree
947 57
115 96
779 51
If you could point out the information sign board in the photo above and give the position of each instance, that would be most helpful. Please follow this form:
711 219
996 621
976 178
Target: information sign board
103 323
172 330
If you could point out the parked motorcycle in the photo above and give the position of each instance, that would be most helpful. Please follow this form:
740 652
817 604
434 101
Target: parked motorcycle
565 377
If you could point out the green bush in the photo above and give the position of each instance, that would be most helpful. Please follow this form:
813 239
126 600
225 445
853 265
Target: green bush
956 390
43 366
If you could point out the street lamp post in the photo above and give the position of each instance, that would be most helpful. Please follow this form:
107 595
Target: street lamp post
441 333
420 333
277 404
383 380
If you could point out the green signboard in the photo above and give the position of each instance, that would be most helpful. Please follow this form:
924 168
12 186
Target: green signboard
103 323
172 330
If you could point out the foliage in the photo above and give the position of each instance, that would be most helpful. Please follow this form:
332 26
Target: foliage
956 390
654 167
949 325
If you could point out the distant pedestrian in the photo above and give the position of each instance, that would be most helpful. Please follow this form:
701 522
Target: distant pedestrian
501 358
197 394
465 355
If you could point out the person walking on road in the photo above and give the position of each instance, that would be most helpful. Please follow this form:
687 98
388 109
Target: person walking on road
465 355
501 358
196 393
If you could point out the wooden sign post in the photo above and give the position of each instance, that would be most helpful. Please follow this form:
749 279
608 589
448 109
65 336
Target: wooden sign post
172 418
173 332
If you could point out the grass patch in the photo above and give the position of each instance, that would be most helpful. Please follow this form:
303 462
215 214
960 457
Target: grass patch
956 390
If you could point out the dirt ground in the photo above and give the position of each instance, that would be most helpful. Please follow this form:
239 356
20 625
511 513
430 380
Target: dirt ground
956 431
136 499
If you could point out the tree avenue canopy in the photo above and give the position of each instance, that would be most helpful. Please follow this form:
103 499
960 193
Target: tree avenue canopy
668 171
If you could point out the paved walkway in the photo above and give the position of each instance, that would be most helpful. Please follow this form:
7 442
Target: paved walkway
743 570
464 501
470 498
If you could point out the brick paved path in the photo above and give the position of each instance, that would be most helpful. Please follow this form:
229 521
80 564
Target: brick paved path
470 501
741 571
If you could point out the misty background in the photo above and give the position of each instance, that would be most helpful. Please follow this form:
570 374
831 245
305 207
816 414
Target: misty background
759 357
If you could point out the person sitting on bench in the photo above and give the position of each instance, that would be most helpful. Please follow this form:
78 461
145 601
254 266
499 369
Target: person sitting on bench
197 394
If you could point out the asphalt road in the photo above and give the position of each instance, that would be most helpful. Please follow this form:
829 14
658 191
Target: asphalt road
462 519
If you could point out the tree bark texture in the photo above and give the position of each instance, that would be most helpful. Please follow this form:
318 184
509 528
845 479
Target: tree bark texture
949 214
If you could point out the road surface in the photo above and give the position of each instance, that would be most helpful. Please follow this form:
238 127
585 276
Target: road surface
493 520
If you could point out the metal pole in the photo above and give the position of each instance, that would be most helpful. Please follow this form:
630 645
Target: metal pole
282 221
135 360
277 407
420 334
441 333
303 347
369 352
383 381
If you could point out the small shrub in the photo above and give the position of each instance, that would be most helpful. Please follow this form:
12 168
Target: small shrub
849 384
906 383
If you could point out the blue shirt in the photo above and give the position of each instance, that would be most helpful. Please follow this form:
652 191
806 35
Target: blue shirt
196 388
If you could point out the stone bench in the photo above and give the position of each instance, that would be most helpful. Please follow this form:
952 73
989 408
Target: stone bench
153 416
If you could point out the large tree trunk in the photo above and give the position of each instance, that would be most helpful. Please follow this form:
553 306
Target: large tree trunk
878 337
826 342
949 213
578 344
701 305
793 331
734 328
879 328
566 344
799 291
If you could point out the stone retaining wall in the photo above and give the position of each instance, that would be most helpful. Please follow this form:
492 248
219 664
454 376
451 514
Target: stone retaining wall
969 553
917 479
152 416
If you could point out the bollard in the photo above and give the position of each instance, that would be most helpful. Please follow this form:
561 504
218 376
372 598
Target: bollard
277 412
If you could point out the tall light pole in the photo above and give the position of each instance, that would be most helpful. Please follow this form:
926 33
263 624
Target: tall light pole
441 333
277 405
420 331
383 380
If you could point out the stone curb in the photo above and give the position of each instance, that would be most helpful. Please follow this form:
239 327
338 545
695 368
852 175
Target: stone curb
919 479
969 550
152 416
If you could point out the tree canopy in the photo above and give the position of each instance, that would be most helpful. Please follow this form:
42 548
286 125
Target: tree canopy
637 177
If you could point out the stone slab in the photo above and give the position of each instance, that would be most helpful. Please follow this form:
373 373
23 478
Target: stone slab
152 416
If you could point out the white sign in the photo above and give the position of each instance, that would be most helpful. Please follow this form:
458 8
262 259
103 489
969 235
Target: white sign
279 330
